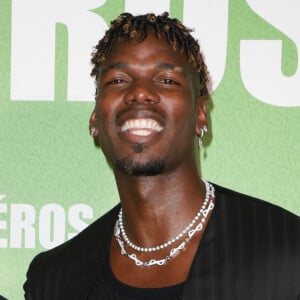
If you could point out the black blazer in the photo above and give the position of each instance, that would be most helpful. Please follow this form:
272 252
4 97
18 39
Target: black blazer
249 250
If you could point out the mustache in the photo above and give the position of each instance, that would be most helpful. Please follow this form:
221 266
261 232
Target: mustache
138 107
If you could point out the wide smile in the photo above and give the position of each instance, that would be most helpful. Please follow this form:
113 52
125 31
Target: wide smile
142 127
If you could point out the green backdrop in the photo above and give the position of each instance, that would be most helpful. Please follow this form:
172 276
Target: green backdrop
53 181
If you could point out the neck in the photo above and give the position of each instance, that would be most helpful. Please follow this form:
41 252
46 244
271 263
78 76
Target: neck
155 208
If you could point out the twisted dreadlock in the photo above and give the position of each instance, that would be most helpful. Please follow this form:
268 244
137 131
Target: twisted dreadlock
135 28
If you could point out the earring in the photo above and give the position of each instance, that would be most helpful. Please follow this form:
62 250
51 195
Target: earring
203 131
92 131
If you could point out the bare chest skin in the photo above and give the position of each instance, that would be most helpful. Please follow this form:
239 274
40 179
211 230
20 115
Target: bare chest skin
174 272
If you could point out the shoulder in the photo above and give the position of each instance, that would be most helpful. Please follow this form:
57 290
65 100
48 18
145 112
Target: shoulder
76 256
252 246
257 220
84 240
252 205
260 240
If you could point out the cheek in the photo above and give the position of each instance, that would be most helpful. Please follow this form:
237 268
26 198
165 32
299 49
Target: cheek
105 109
183 111
185 123
104 123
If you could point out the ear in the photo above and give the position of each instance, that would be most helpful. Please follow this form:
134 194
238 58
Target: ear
93 127
201 116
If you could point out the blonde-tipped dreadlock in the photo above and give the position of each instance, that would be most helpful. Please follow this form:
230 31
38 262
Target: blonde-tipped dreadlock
135 28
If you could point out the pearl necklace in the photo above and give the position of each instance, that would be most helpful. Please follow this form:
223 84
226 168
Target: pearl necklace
204 211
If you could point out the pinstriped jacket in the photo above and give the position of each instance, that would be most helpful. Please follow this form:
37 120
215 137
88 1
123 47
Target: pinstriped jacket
249 250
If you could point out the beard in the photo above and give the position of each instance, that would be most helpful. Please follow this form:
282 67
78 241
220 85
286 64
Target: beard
133 168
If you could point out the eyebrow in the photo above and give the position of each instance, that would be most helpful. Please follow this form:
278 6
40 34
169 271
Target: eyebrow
168 66
118 65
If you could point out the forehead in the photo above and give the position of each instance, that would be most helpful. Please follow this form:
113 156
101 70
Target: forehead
150 50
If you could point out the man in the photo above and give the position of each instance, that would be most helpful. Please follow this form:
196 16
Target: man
173 236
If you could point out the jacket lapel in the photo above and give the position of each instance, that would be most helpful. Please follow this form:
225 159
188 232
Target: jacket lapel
196 284
86 257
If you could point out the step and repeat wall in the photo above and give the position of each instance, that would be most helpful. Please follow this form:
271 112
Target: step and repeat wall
54 181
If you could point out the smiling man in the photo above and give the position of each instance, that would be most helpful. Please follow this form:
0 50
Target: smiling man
173 235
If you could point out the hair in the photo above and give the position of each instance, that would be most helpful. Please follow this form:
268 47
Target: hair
131 28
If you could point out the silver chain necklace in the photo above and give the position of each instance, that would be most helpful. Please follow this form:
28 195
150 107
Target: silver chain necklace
191 231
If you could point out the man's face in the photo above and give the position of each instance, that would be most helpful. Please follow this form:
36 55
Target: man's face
146 109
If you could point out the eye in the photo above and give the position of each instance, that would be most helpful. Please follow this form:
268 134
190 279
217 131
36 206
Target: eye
168 81
116 81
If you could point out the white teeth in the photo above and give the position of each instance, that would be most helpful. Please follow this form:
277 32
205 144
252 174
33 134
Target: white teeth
141 126
141 132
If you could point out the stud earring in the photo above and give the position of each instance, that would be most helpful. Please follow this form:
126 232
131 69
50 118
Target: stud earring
92 131
203 131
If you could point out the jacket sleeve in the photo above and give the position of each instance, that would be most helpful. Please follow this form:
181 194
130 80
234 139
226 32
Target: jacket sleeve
27 284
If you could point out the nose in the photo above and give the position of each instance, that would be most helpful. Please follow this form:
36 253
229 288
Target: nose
141 93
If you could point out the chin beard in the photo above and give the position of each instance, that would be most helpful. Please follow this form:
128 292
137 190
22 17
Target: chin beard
150 168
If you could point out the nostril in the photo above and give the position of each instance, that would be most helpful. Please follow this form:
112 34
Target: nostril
141 95
132 101
129 100
149 100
